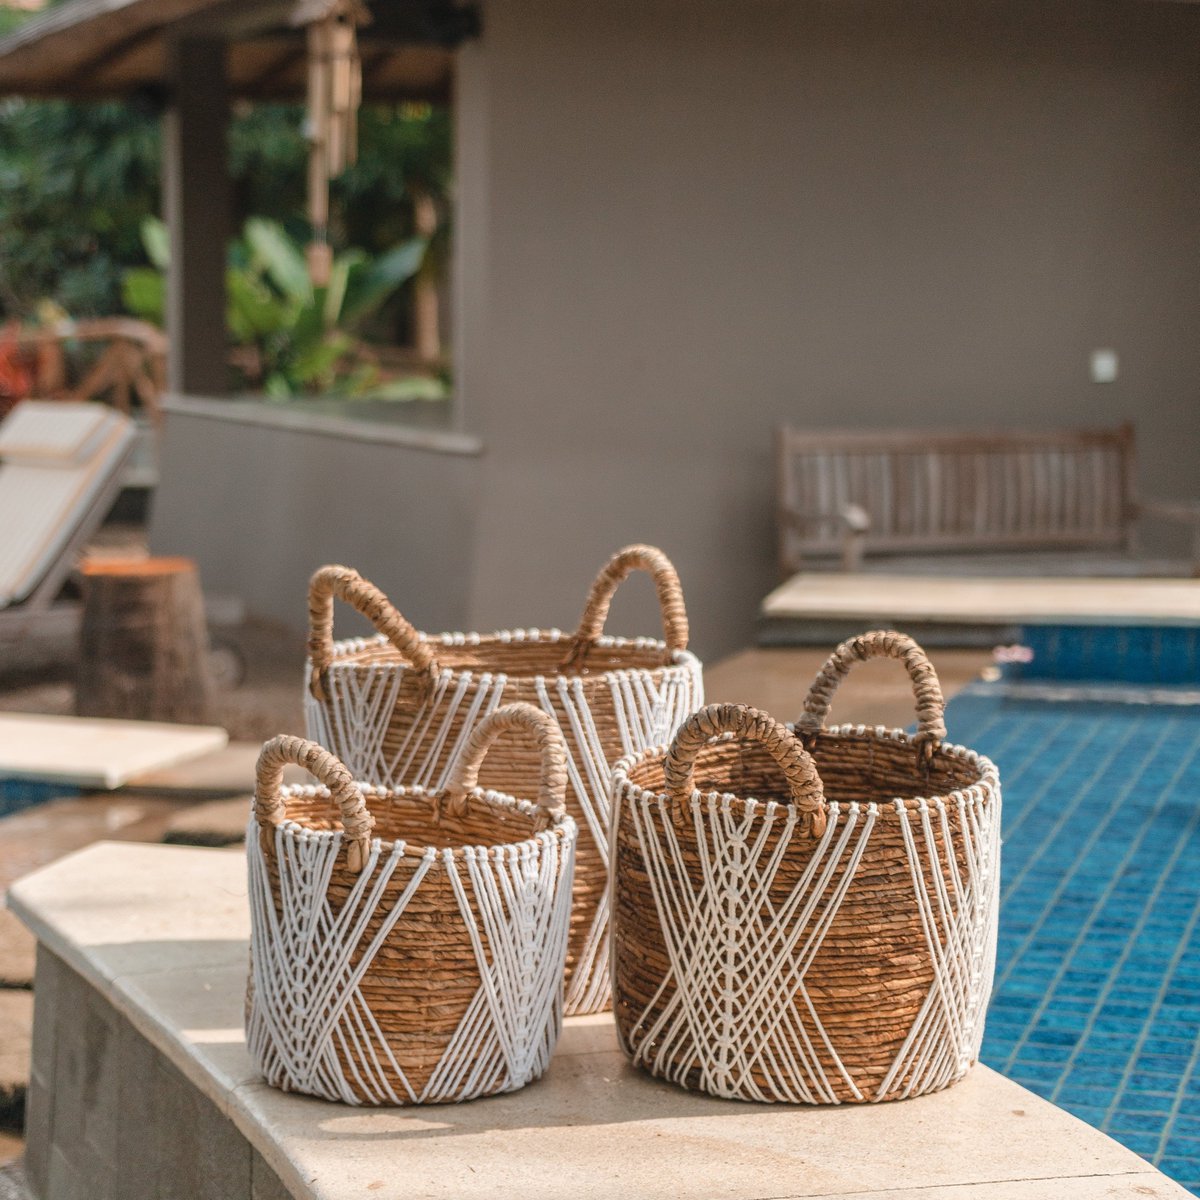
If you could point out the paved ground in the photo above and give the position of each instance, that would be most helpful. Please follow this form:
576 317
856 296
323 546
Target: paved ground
266 701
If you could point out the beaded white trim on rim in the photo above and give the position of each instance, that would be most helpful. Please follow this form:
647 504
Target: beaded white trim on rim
716 931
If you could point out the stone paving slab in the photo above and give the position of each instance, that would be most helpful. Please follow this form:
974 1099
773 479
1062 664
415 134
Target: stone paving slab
96 752
160 931
36 836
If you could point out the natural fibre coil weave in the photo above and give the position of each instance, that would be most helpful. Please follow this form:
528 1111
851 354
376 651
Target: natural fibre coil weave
807 916
396 709
407 946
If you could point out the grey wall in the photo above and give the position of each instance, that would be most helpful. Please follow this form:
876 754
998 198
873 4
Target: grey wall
683 221
261 506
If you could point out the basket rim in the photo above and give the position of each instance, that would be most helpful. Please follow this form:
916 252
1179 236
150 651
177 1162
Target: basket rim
562 825
680 659
988 782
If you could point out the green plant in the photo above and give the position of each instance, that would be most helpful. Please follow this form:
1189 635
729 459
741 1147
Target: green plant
78 179
290 336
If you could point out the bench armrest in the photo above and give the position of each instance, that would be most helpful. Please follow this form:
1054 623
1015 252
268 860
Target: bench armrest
1184 512
852 519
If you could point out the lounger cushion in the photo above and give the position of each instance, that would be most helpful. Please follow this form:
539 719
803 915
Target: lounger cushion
58 461
54 434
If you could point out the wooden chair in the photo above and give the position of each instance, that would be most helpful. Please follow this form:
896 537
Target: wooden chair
128 373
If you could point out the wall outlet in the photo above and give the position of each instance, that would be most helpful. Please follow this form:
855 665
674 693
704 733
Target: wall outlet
1104 366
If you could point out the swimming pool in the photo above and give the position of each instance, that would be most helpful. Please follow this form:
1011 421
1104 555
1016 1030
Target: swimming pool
16 794
1097 998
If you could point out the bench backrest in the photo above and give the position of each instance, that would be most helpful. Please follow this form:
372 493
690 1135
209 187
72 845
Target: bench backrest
955 491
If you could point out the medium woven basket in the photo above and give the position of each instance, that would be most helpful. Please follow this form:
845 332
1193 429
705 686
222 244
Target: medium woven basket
811 926
407 946
396 708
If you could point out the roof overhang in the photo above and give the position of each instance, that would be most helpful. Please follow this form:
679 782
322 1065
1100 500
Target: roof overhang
112 48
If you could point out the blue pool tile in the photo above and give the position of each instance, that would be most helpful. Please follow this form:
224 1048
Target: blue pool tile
1145 1144
1086 1112
1031 1052
1147 1102
1097 1002
1031 1073
1181 1147
1180 1169
1136 1122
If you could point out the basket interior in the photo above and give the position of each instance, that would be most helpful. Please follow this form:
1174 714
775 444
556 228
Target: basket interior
861 768
411 816
538 656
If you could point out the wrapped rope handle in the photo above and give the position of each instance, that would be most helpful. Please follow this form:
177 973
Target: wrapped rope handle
881 643
362 595
552 787
270 810
618 568
748 724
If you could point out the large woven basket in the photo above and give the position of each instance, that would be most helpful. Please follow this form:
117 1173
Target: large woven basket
813 926
407 946
397 707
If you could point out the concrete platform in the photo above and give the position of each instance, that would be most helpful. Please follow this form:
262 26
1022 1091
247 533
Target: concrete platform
874 600
146 946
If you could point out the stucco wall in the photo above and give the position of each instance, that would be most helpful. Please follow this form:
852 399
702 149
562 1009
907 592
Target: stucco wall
683 221
261 500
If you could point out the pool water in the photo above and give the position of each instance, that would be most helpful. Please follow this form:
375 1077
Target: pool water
1097 998
16 794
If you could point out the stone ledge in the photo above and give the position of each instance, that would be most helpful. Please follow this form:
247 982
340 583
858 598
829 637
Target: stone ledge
160 934
295 419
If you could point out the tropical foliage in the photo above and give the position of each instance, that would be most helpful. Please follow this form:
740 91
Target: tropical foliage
78 181
290 336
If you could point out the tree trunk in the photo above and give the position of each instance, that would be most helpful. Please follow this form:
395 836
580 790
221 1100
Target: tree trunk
144 643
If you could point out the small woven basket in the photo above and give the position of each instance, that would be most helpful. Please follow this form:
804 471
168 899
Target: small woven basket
397 708
407 946
810 926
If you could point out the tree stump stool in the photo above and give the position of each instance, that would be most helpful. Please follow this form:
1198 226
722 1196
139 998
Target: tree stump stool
144 642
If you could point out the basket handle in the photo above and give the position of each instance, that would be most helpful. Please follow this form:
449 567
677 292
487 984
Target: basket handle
750 724
552 787
931 707
270 809
618 568
348 585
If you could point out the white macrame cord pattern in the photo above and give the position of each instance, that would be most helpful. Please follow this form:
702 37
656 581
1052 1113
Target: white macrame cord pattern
726 928
308 1019
353 721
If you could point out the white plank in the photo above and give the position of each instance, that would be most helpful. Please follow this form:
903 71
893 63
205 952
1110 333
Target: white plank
97 753
875 598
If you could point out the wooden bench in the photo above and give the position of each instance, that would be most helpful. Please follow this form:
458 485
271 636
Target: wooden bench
845 495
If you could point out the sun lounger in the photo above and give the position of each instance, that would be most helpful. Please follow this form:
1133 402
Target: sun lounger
60 471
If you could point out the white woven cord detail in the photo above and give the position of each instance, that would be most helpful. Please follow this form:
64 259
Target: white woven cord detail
306 1003
726 928
354 721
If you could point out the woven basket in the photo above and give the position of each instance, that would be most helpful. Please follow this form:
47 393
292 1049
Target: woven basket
831 940
421 964
397 707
